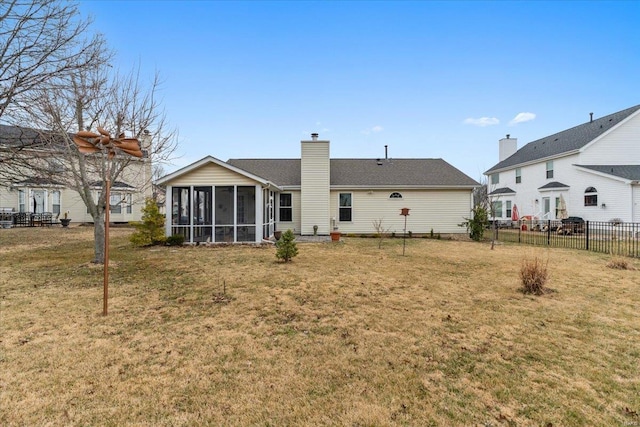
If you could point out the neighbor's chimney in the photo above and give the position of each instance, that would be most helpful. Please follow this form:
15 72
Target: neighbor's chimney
507 147
314 136
386 157
590 117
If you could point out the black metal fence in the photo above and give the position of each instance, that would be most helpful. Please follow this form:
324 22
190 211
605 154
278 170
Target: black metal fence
618 238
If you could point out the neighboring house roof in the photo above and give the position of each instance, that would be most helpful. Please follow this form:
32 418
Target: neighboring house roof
364 172
504 190
17 137
630 172
39 182
564 142
115 184
554 184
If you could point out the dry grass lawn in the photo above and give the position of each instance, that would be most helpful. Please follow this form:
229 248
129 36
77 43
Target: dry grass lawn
345 334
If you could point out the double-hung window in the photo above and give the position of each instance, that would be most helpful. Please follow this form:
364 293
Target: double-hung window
286 207
550 169
518 175
345 207
495 178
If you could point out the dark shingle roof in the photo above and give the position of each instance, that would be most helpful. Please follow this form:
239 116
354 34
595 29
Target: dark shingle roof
16 137
553 184
504 190
631 172
363 172
565 141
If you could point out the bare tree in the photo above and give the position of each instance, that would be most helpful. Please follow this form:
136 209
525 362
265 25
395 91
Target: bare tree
97 97
40 41
381 231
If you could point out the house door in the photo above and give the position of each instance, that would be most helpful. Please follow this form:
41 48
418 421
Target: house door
546 201
37 200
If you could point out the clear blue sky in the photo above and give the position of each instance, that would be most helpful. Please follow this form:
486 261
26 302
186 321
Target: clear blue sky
428 79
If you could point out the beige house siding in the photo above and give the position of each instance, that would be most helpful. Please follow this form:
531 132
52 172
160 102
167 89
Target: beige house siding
297 213
315 184
440 210
210 174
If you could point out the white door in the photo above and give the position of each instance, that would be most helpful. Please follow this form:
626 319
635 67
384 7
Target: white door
38 201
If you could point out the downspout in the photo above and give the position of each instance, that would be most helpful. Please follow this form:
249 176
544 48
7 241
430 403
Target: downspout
636 183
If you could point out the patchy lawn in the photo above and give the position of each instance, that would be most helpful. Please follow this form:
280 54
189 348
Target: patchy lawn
345 334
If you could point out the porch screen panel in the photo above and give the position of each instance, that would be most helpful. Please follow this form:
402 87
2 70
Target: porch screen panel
180 211
203 214
246 213
224 213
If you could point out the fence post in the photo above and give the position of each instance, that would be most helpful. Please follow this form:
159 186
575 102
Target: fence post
548 232
586 234
519 232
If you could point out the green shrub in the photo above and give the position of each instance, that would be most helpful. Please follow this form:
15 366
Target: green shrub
286 246
150 231
175 240
476 225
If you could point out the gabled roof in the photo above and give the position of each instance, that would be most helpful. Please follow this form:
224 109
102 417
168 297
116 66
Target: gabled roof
566 141
504 190
630 172
364 172
553 184
212 160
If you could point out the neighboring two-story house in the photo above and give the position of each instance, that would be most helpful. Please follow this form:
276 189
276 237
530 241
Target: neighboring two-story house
42 189
246 200
594 167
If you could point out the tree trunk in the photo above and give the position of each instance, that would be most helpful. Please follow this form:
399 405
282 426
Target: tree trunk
99 238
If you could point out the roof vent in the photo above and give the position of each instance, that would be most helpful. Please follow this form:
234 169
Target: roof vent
590 117
314 136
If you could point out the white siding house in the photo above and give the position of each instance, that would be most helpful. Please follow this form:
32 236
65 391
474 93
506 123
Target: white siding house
594 166
314 195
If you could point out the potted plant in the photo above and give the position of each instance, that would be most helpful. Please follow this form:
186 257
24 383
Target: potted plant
335 235
65 221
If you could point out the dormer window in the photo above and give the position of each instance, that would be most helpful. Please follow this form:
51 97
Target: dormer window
395 195
591 197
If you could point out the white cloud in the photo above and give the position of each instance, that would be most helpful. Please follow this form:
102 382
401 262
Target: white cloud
521 118
482 121
374 129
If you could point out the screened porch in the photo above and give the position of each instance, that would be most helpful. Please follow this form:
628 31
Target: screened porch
221 213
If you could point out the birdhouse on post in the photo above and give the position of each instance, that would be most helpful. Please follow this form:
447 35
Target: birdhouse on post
405 213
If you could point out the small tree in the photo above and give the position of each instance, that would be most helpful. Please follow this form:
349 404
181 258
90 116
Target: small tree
151 230
286 246
477 224
381 231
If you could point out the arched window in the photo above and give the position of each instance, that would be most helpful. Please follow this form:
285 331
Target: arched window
395 195
591 196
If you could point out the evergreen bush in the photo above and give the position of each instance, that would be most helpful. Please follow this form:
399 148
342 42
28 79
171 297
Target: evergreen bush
151 230
286 246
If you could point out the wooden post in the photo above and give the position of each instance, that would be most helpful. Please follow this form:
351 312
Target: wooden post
106 245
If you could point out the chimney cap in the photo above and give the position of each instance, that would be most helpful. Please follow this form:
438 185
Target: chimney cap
314 136
508 136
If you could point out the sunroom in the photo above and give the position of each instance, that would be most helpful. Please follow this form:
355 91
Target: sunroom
213 202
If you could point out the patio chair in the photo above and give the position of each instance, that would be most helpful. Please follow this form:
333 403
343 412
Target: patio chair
36 219
21 219
47 219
